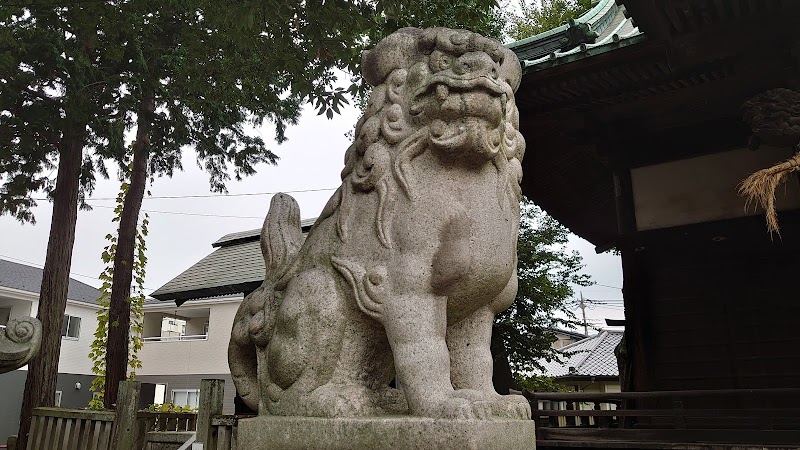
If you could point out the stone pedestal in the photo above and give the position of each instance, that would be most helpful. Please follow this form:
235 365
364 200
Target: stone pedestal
411 433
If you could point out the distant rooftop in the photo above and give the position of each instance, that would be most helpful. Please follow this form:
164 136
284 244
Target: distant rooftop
590 357
235 267
605 27
571 333
28 278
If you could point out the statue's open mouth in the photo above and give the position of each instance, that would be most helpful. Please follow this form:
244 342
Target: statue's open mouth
460 83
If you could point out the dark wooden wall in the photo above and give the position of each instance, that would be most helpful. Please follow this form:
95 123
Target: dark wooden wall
720 306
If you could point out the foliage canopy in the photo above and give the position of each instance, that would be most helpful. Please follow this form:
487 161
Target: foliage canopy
547 274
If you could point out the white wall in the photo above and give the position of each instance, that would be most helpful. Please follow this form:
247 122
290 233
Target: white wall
193 357
75 352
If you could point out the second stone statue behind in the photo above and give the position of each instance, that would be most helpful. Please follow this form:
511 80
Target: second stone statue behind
415 253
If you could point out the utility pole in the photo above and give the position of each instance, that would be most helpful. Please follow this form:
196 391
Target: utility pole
582 305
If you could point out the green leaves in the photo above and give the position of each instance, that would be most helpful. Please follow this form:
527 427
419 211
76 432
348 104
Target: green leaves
97 352
547 273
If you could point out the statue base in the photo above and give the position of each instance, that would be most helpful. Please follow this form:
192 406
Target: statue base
391 432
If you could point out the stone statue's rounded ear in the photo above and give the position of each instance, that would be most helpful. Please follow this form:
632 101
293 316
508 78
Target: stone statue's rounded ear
510 69
398 50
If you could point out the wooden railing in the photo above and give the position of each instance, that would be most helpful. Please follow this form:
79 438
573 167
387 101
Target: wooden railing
224 433
742 416
164 427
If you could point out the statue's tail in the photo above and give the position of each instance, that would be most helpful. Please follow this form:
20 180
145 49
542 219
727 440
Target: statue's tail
281 239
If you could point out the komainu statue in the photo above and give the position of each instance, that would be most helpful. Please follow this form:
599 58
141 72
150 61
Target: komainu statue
19 342
402 274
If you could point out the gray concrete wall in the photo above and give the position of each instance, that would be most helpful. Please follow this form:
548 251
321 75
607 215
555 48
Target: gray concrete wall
12 386
192 381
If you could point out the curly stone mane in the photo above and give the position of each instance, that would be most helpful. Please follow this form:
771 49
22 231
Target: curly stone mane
412 70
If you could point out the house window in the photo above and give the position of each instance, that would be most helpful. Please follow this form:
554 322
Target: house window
205 329
58 399
160 394
71 328
186 397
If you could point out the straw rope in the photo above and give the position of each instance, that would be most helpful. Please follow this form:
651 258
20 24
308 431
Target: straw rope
760 188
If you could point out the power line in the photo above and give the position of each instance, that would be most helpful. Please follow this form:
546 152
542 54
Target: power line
247 194
600 305
178 213
605 285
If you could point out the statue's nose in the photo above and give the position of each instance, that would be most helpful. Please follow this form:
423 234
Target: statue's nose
473 62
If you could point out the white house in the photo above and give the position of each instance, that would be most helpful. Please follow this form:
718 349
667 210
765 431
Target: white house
19 296
188 327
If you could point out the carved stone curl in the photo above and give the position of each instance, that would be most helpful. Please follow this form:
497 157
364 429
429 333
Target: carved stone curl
413 255
19 342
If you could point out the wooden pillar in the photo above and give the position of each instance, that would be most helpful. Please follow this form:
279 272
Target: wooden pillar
125 432
634 274
212 393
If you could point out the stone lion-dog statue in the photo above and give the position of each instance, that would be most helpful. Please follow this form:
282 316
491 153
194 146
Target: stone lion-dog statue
411 258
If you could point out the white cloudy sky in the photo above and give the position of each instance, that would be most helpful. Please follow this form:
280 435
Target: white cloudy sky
311 159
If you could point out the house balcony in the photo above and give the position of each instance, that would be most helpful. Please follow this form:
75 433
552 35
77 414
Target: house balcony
184 341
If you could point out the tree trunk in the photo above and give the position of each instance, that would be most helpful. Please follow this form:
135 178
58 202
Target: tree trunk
40 385
119 314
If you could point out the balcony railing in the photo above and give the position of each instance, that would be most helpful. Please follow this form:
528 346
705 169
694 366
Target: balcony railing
196 337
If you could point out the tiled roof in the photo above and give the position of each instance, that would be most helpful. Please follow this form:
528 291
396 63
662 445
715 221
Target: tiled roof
235 267
28 278
255 234
603 28
573 334
593 356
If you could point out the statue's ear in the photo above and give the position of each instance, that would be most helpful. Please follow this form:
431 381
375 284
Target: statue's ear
510 69
398 50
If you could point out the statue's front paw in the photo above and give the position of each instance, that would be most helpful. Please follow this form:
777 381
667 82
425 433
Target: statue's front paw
503 406
512 407
459 408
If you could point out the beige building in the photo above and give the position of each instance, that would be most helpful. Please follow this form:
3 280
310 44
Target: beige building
188 325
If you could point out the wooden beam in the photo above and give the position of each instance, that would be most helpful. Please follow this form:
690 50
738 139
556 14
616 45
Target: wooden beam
212 393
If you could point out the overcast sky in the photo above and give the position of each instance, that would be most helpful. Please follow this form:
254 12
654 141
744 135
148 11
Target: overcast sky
311 159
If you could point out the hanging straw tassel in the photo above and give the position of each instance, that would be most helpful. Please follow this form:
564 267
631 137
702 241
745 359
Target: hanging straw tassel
760 188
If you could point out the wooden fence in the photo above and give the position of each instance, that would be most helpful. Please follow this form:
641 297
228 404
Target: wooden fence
130 429
55 428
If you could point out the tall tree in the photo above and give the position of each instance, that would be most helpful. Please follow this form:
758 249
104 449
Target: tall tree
54 102
539 16
547 274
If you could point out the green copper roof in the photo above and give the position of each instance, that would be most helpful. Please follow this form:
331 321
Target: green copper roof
603 28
